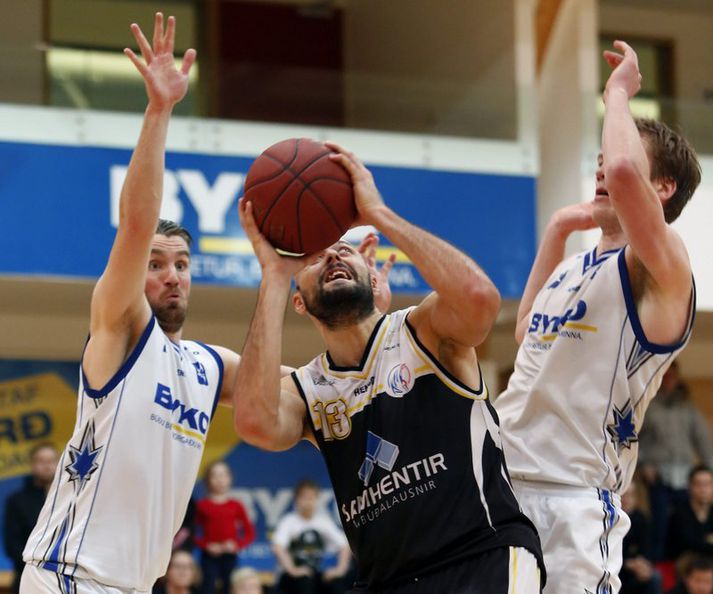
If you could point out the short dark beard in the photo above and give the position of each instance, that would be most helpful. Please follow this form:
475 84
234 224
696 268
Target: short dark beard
170 317
343 306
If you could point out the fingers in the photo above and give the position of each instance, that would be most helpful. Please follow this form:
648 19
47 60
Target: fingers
188 60
624 47
343 151
158 33
168 39
144 46
247 219
612 58
140 66
388 265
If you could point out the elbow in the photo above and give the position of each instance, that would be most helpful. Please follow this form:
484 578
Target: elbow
484 301
620 173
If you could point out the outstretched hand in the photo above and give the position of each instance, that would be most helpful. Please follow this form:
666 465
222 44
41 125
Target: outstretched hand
575 217
165 84
382 293
625 74
270 260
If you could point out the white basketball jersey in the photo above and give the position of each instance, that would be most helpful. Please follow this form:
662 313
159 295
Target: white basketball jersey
124 480
584 376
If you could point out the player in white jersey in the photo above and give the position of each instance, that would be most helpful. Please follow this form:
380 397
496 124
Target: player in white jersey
597 330
146 397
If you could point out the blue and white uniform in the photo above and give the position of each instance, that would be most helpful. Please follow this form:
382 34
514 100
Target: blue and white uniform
570 416
124 480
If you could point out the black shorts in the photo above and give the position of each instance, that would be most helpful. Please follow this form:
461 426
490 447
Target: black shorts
505 570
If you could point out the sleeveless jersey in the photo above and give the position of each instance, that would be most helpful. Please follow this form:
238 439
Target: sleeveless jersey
414 458
584 376
124 480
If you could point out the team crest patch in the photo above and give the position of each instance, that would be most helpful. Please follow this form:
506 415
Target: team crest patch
400 381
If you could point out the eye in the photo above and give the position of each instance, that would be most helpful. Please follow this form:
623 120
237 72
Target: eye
181 266
153 265
345 250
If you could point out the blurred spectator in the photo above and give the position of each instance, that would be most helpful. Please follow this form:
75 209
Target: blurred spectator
300 542
696 578
674 438
245 581
638 575
184 537
676 435
691 523
23 507
181 576
224 529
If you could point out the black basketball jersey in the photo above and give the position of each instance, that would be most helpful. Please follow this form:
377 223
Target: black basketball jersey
414 457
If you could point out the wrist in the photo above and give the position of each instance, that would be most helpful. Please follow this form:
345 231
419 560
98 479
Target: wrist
558 228
377 216
158 109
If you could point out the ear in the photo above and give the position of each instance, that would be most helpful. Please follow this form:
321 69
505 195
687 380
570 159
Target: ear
298 303
665 188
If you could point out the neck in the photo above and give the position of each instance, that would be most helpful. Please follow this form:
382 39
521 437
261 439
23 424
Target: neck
177 589
346 345
219 497
611 240
700 509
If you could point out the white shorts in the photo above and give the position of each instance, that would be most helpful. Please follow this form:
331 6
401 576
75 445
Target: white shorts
41 581
582 534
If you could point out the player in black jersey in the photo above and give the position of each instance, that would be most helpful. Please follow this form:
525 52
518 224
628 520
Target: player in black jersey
397 406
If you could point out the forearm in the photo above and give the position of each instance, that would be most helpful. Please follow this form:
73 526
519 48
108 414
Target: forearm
140 201
256 398
343 561
283 558
620 137
448 271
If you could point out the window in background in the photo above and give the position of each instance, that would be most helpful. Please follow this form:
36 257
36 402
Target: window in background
85 64
655 100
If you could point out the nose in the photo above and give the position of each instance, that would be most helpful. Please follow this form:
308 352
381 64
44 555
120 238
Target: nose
171 276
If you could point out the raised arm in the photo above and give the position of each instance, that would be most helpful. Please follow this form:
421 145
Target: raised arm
465 302
637 200
268 410
564 222
118 306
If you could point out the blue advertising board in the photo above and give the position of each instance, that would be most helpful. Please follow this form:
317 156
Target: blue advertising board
60 210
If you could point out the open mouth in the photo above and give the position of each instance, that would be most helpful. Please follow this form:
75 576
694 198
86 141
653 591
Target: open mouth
337 272
601 193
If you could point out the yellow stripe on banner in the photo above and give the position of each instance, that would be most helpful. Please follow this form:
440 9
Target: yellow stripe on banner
584 327
225 245
383 253
188 432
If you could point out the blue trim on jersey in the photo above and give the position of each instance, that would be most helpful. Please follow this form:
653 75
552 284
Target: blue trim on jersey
658 349
55 486
123 370
106 458
221 369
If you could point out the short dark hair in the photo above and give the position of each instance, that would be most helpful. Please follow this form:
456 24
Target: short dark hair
696 470
696 563
304 485
169 228
672 157
45 445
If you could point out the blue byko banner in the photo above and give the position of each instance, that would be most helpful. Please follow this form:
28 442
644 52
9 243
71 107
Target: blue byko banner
60 210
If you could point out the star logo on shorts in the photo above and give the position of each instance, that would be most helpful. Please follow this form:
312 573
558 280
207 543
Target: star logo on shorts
622 430
84 459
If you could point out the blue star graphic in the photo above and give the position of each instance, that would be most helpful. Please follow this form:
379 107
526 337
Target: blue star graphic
84 462
622 430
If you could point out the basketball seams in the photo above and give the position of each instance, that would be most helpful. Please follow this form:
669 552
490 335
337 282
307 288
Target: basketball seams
324 207
285 166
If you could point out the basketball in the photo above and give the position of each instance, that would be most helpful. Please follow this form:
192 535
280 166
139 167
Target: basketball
302 201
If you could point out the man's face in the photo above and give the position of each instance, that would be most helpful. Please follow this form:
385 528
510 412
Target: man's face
701 488
699 581
43 465
168 282
336 286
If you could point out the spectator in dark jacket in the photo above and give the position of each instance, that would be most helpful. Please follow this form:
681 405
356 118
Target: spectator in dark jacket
22 508
691 524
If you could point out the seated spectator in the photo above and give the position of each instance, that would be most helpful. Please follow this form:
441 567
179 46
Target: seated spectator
638 574
696 576
300 542
224 529
245 581
181 576
691 524
22 508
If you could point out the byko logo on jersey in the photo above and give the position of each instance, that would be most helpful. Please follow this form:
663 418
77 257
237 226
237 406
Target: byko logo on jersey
546 327
190 424
400 381
399 485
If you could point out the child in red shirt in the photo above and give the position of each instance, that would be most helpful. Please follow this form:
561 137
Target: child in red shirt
224 529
